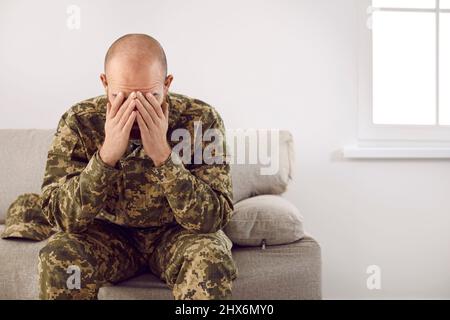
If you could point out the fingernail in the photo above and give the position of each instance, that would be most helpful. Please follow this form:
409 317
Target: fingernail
133 95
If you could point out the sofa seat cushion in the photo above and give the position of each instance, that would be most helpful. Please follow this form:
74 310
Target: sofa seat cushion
18 268
290 271
279 272
267 218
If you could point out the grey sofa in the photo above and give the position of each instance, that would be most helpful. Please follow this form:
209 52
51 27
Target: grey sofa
289 271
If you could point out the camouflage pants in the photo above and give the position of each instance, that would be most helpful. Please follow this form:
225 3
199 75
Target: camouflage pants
194 266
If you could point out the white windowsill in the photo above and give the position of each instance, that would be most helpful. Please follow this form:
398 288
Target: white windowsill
358 152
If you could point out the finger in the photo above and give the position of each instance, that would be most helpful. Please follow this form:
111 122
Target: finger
150 109
108 109
142 129
124 106
128 110
165 108
129 124
145 114
117 102
155 104
142 126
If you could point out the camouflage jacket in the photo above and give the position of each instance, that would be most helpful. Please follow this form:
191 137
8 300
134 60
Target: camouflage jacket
78 187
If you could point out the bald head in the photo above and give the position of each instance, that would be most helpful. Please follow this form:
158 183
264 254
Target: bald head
136 51
136 63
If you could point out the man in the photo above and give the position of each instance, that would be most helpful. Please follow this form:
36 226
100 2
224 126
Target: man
122 201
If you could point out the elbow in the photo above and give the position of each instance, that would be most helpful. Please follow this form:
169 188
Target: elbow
209 228
63 223
214 221
203 224
205 216
72 228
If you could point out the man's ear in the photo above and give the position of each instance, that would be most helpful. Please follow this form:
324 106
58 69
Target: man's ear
167 83
104 81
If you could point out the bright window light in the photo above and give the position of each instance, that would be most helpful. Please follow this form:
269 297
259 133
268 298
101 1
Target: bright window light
445 4
421 4
444 83
411 62
404 68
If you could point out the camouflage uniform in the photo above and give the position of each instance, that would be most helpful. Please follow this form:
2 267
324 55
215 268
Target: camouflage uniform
115 222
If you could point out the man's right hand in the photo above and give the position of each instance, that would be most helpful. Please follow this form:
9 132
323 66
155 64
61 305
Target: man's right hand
120 117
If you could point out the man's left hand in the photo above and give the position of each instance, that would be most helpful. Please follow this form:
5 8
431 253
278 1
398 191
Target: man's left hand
153 121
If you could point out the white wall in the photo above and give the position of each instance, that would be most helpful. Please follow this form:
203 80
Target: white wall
277 64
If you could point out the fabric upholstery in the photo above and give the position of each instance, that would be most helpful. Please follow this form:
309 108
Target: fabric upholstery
279 272
250 179
23 154
18 268
267 217
290 271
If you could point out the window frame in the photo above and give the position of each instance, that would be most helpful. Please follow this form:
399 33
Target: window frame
382 134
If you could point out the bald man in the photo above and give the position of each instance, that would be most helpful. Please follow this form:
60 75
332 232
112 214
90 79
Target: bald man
122 201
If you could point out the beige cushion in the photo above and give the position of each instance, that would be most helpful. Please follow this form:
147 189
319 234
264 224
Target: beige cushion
18 268
267 217
251 179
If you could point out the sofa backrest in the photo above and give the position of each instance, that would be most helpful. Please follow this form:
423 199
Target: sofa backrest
23 154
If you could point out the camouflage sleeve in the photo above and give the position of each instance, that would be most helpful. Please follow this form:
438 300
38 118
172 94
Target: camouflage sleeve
201 198
75 187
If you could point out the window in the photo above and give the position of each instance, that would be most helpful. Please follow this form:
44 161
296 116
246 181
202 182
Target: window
404 70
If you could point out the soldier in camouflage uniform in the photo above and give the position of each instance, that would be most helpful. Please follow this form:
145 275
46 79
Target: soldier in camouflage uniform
116 220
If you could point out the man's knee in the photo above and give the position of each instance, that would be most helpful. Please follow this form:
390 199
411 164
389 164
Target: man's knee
208 248
208 269
64 250
64 263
